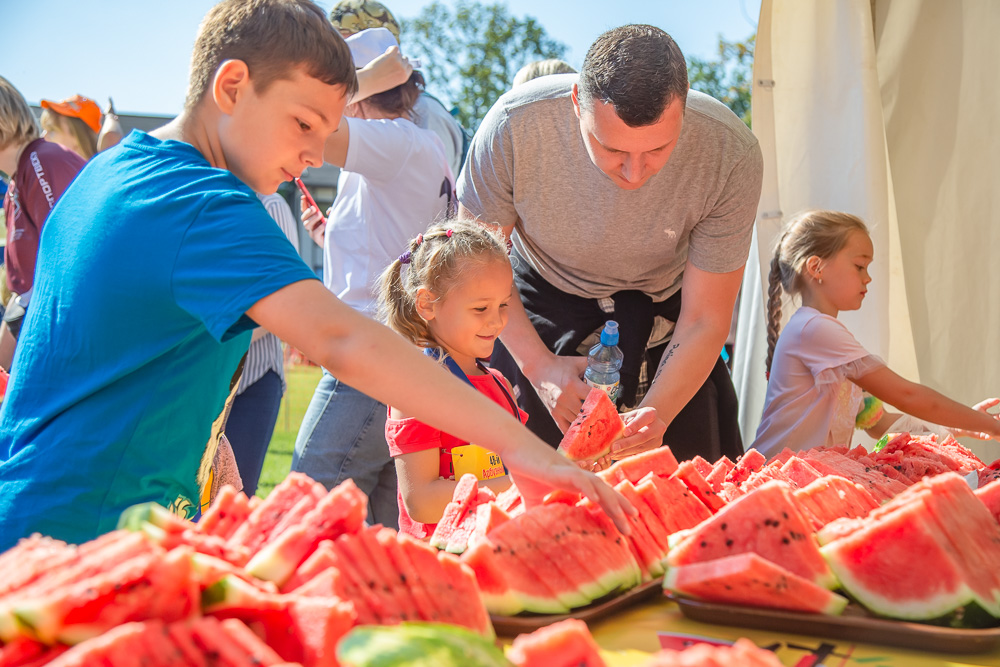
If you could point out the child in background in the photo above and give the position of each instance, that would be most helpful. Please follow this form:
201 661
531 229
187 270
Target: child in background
150 283
819 370
73 123
448 294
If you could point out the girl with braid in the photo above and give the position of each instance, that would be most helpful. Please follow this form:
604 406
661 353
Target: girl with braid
822 384
448 294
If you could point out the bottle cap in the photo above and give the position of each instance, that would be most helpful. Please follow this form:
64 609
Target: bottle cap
610 334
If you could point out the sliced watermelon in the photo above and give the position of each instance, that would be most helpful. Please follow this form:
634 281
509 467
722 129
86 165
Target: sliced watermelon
145 587
703 466
571 574
833 497
767 522
30 558
720 469
800 471
747 579
381 582
229 510
488 517
506 587
215 644
990 496
830 462
396 580
688 473
318 561
465 607
679 507
207 570
458 541
659 461
432 590
252 646
317 624
340 511
364 585
181 636
121 645
751 461
510 500
408 574
650 519
597 425
644 548
257 529
463 497
24 652
567 642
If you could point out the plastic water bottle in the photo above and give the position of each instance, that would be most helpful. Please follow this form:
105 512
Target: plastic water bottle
604 362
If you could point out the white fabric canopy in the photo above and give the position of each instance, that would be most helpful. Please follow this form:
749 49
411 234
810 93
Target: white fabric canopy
883 108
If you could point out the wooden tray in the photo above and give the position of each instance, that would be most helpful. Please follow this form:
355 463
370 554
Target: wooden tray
855 624
509 626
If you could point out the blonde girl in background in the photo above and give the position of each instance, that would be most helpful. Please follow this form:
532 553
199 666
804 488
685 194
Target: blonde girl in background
73 123
448 294
817 371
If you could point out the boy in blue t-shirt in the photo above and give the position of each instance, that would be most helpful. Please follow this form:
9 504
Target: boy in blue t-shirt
156 265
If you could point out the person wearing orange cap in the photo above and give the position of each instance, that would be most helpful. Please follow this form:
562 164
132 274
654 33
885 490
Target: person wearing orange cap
73 123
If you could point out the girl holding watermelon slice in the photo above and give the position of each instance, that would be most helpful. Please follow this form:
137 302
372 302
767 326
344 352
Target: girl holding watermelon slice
818 373
448 294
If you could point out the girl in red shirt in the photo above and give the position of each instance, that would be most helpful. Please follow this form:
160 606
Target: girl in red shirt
449 294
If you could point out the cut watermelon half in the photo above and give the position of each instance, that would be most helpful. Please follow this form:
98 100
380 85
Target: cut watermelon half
767 522
679 507
597 425
747 579
659 461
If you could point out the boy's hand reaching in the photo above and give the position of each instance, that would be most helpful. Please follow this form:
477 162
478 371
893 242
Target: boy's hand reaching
535 478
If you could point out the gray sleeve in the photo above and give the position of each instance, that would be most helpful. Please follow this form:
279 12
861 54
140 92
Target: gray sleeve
485 186
720 243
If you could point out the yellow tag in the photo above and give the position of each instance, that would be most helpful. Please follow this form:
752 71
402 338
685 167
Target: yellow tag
476 460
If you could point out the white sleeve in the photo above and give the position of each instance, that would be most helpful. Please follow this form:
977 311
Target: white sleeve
377 149
832 353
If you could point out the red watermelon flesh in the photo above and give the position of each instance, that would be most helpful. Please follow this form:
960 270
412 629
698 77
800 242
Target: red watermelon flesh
680 508
567 643
463 497
829 462
456 584
747 579
394 577
317 627
595 542
877 565
147 586
782 457
380 583
597 425
24 652
767 522
833 497
990 496
458 541
408 574
215 644
800 472
534 553
743 652
319 560
575 552
687 473
181 636
650 520
488 517
506 585
765 475
257 529
703 466
365 585
156 648
537 527
30 558
509 499
720 469
341 511
228 511
118 646
659 461
751 461
644 548
252 646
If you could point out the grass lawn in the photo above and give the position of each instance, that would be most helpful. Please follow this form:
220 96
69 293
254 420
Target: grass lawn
302 381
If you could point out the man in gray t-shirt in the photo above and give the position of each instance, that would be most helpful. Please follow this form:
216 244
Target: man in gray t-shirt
620 185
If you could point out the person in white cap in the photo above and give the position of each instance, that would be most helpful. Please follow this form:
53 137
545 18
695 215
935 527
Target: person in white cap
395 180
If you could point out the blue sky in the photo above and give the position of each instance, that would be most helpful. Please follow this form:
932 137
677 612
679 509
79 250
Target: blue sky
138 51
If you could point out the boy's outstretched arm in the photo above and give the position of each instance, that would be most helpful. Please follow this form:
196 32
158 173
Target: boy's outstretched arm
373 359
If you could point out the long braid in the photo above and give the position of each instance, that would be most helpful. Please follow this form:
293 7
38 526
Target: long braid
773 306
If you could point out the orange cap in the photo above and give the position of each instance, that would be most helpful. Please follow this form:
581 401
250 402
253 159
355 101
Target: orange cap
80 107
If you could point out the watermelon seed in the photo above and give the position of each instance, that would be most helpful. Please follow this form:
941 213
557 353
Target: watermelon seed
729 543
723 526
704 544
785 540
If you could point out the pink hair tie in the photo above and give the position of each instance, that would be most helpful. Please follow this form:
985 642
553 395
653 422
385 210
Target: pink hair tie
448 233
420 239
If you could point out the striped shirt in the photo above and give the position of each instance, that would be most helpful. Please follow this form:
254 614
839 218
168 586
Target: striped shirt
265 351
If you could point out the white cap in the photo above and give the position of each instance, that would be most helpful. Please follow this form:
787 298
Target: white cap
369 44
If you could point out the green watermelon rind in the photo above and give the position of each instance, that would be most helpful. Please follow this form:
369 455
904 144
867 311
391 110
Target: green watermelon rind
418 644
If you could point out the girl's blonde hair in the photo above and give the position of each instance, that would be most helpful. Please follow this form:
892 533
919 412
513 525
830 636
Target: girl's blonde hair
17 123
85 137
819 233
435 261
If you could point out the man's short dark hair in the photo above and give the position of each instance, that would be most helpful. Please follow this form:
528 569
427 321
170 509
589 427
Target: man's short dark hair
638 69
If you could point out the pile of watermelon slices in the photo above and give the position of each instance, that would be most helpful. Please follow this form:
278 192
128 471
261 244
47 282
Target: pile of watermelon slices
297 570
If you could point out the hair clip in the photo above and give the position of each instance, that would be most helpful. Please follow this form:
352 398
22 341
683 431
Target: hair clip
420 239
448 233
510 246
405 257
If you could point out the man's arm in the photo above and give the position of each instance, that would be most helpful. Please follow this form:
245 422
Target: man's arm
697 342
370 357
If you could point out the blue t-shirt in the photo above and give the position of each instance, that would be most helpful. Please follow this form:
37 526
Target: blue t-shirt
146 268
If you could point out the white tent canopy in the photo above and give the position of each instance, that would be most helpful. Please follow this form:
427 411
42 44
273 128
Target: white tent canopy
884 109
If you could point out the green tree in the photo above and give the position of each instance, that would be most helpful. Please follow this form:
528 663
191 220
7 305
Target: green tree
729 78
471 52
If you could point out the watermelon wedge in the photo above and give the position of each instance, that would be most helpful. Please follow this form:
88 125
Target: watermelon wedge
229 510
990 496
659 461
688 473
747 579
567 642
463 498
832 497
520 550
799 471
260 524
767 522
597 425
750 462
720 469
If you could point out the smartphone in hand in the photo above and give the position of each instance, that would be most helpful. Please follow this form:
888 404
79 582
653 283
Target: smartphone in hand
309 199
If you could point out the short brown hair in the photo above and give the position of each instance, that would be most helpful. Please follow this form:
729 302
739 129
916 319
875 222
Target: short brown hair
638 69
17 123
272 37
400 100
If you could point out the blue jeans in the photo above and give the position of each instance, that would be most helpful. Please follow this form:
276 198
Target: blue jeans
251 425
343 437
